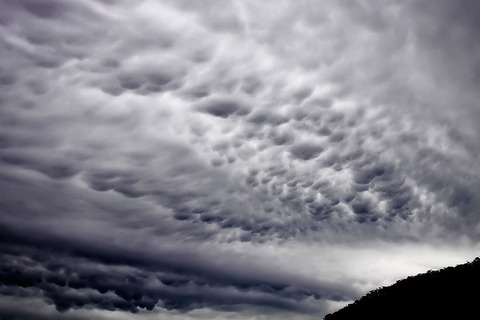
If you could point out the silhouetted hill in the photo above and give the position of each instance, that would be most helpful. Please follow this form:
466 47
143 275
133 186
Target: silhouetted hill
450 293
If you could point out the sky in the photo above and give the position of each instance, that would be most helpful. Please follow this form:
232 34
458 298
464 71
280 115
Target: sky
244 159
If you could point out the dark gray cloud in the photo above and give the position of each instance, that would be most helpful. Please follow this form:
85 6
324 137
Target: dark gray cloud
131 281
189 160
223 107
306 151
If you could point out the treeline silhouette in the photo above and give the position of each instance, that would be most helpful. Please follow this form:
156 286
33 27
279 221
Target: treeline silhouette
449 293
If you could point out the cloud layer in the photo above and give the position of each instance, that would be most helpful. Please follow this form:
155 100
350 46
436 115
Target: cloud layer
232 158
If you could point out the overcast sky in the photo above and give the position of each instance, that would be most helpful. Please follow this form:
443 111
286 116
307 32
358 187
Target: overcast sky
232 159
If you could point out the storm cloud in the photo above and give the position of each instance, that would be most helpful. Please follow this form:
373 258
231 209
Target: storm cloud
240 159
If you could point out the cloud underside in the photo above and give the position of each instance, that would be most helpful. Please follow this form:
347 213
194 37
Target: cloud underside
169 155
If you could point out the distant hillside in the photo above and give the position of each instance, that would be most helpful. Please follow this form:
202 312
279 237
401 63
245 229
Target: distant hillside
450 293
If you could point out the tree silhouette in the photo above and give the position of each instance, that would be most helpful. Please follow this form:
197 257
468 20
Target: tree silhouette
449 293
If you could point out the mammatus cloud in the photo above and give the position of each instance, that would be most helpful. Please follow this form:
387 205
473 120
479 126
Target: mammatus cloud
236 159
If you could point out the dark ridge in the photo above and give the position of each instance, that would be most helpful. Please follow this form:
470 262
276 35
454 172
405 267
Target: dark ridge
449 293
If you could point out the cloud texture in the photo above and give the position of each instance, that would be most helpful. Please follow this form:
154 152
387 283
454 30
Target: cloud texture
239 159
